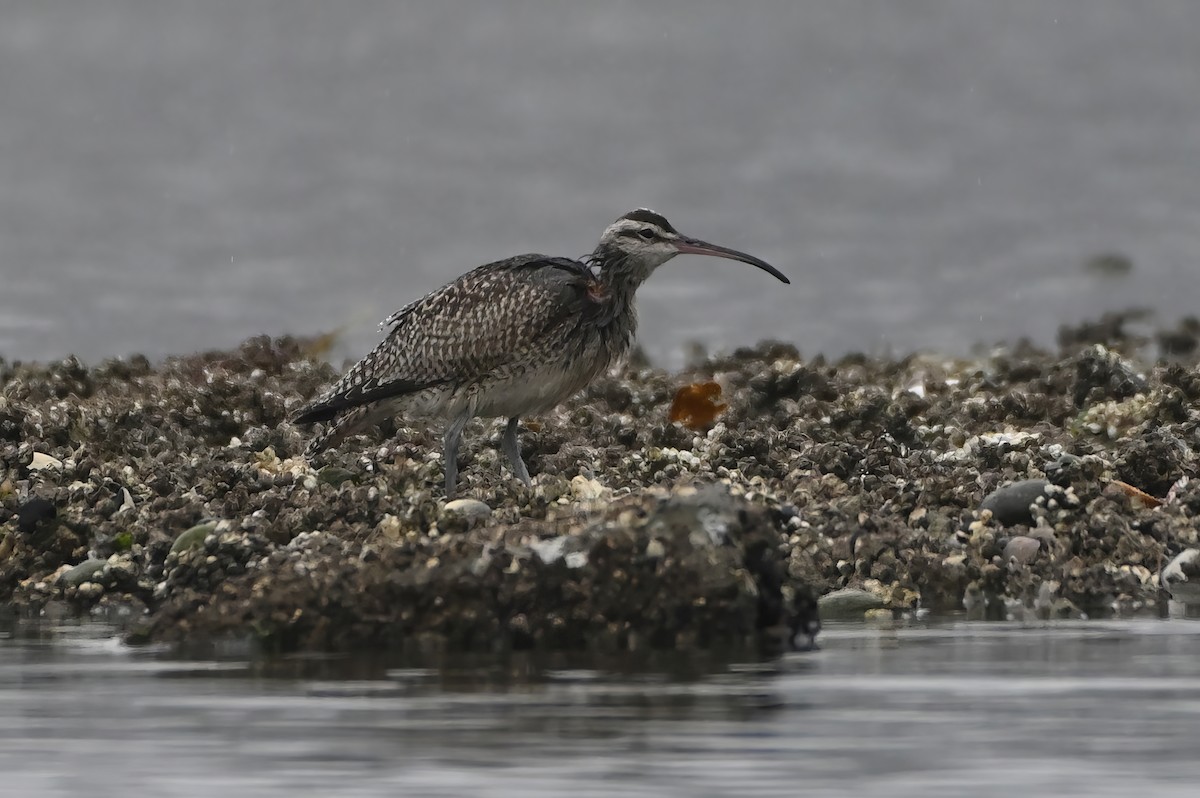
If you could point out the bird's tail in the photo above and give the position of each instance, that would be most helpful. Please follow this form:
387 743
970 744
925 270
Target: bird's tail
352 421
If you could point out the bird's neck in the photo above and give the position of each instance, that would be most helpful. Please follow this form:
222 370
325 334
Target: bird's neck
622 275
620 283
621 291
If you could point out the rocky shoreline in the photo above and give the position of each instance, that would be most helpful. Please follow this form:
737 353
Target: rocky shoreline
1019 483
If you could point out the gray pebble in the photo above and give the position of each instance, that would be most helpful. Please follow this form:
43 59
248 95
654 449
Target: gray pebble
194 537
334 475
471 509
848 603
1022 549
83 572
1181 577
1010 503
89 590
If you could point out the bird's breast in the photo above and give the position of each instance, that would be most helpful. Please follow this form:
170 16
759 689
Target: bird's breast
537 389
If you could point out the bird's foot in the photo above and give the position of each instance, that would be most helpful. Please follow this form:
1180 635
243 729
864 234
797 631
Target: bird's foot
522 473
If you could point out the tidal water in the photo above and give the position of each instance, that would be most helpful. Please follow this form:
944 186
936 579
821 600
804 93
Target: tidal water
938 709
178 175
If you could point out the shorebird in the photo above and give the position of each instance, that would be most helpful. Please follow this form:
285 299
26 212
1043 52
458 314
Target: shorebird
512 338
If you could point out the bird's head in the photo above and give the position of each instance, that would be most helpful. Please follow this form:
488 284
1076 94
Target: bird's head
639 242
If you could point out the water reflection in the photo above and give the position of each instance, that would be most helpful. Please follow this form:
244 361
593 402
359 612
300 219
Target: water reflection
943 708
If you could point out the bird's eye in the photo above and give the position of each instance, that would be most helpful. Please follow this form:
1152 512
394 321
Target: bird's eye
647 233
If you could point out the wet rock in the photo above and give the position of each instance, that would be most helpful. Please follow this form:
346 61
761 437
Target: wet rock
34 515
570 549
1021 549
848 603
122 570
89 591
594 588
1012 503
472 510
588 490
194 537
818 474
1153 460
1065 469
1101 374
974 602
804 622
334 475
703 517
83 572
1181 577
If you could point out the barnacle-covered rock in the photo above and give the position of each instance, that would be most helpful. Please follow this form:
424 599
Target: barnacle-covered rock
185 485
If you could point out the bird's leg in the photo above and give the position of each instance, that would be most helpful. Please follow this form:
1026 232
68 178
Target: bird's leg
450 451
512 450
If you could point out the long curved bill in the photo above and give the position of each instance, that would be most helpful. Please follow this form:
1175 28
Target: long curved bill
694 246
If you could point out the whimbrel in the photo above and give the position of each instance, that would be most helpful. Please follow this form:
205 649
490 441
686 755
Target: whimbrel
512 338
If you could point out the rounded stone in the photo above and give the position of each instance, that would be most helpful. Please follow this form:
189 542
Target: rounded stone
1010 503
334 475
848 603
194 538
89 590
34 513
83 572
1181 577
1022 549
584 489
471 509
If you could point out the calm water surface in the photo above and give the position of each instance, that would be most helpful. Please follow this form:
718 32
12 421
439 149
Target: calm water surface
945 709
178 175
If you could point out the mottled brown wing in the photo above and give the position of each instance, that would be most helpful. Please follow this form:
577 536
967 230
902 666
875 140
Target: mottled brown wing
497 315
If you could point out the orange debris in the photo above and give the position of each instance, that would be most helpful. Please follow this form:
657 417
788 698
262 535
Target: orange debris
696 406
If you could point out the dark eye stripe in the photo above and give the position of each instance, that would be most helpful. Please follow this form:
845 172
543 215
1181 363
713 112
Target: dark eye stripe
644 233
